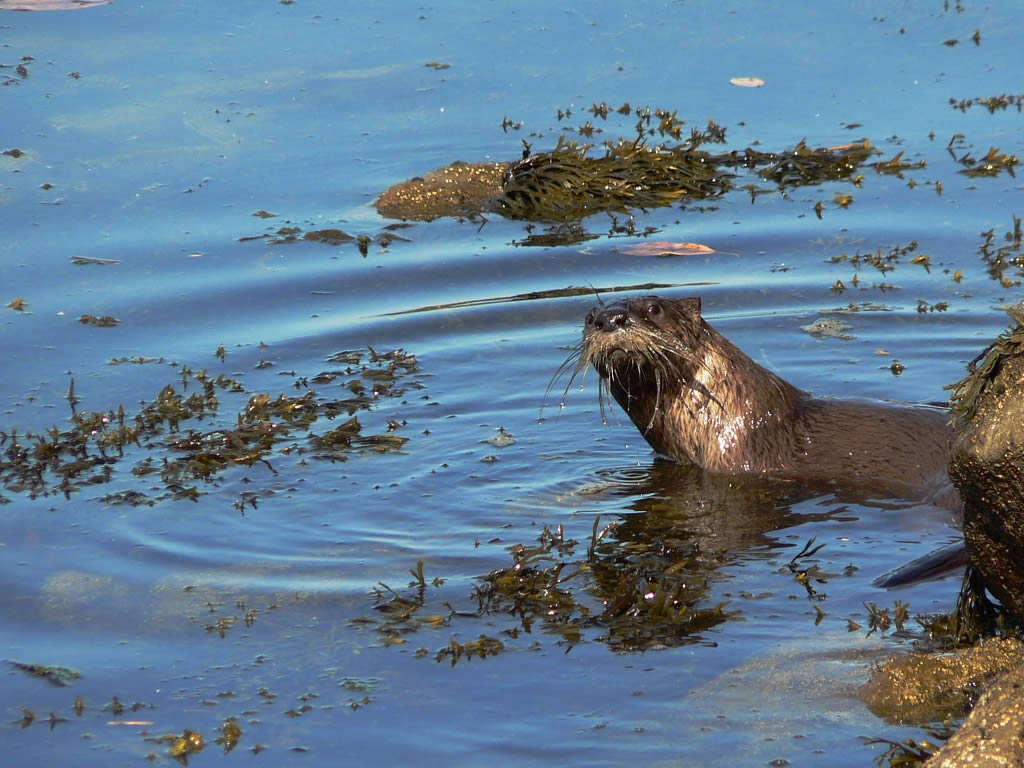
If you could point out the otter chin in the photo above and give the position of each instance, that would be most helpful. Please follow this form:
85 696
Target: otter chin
696 397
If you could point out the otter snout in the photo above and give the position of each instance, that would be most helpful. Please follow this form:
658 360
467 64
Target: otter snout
608 319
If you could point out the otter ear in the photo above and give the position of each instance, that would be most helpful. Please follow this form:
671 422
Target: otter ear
690 307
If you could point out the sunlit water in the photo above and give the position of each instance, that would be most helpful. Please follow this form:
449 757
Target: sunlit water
183 122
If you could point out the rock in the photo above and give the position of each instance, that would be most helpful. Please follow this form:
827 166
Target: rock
988 463
921 688
992 737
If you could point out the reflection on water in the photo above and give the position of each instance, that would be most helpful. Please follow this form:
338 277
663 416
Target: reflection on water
211 536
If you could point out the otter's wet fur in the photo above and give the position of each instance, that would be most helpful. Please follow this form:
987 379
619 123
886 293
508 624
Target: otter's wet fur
696 397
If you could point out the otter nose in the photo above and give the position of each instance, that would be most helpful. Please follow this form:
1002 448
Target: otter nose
611 319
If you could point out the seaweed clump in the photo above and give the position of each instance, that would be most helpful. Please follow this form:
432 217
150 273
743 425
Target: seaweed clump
983 370
568 183
163 440
992 103
1000 258
634 591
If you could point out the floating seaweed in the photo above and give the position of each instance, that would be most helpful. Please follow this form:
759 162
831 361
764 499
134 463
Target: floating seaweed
105 321
1000 258
992 164
183 456
59 676
569 182
992 103
634 590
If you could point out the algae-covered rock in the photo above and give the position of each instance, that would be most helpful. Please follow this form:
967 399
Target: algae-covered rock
987 467
992 736
570 182
927 687
460 189
988 463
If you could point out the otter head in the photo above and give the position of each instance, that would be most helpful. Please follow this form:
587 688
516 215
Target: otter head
647 335
693 394
646 352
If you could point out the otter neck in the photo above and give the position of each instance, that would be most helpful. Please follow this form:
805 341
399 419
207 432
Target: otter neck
723 411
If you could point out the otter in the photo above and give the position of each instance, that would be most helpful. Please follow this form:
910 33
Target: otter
696 397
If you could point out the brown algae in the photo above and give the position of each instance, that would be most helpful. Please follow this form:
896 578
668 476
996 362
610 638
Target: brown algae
166 444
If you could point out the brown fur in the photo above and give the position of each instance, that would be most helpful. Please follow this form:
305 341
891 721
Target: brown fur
695 396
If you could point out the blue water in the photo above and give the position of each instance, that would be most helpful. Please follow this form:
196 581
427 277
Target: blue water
184 121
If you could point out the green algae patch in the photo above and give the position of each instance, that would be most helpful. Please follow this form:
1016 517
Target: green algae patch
168 439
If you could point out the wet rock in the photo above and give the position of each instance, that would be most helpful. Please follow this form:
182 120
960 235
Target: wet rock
988 463
992 737
922 688
987 467
460 189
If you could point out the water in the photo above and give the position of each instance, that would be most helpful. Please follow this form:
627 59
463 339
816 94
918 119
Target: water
185 121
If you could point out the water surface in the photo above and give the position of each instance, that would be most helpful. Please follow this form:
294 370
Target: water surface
151 135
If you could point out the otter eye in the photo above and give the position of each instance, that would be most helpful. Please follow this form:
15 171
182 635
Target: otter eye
653 310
